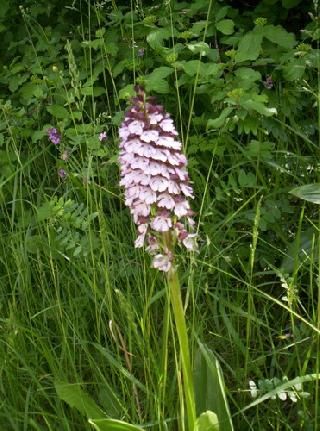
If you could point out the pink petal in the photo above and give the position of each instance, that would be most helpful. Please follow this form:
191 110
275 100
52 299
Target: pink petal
149 136
161 262
190 242
181 208
161 224
155 118
186 190
147 195
158 184
173 187
136 127
167 125
166 201
169 142
139 242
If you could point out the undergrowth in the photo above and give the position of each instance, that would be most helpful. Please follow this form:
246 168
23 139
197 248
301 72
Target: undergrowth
79 305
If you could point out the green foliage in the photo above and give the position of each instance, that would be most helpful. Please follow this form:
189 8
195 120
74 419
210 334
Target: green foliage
210 390
78 302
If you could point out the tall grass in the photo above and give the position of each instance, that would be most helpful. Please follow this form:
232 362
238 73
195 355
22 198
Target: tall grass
102 320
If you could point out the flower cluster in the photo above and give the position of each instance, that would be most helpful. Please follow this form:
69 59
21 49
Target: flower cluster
54 136
154 174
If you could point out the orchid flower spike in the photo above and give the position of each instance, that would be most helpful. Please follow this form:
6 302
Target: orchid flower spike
154 175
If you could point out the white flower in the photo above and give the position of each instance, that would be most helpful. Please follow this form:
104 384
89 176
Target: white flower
161 262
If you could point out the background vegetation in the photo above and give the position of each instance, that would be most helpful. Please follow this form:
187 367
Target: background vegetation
79 305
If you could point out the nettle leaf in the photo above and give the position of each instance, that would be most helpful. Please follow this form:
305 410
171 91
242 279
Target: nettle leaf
155 81
309 192
294 70
226 26
193 67
155 38
248 74
58 111
249 46
279 36
256 102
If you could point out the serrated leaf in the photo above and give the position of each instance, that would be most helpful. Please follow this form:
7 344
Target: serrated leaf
277 34
249 46
207 421
247 74
309 192
58 111
155 81
113 425
257 104
226 26
294 70
155 38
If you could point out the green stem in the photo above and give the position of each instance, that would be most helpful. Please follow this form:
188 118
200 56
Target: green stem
181 327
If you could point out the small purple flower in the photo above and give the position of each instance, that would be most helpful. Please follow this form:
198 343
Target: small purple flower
54 136
62 173
154 175
102 136
140 52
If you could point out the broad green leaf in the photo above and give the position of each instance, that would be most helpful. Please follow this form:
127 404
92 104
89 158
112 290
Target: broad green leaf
246 179
221 13
193 67
199 48
257 103
113 425
294 70
155 81
155 38
247 74
209 387
37 135
300 250
288 4
219 121
278 35
73 395
309 192
207 421
95 91
249 46
226 26
58 111
127 92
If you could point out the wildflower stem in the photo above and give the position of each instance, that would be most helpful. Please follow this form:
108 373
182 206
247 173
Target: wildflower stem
181 327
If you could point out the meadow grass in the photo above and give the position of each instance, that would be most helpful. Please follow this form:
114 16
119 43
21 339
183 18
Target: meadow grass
101 320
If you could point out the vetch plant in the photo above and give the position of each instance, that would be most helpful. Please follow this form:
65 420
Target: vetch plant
54 136
154 175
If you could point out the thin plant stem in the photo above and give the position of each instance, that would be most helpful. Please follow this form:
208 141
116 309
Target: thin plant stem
181 328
